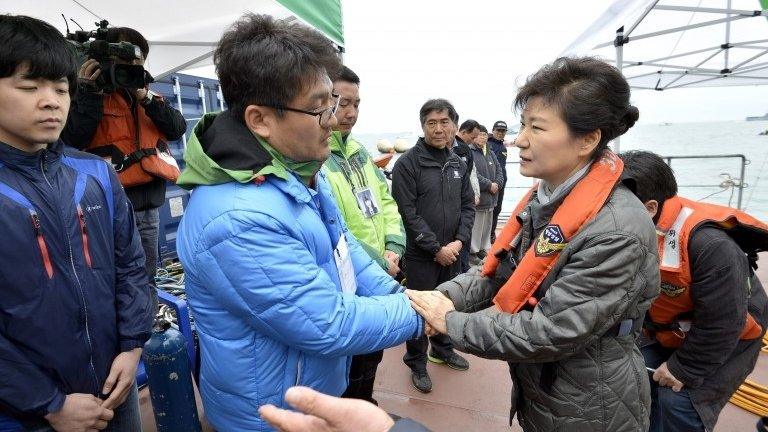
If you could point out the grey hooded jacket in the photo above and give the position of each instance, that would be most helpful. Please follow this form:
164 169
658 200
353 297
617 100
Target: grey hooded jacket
570 370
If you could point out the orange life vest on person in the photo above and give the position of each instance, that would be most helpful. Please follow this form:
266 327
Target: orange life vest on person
679 218
132 143
580 206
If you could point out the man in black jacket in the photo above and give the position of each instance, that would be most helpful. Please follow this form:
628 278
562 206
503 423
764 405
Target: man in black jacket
88 127
431 187
462 146
496 145
691 383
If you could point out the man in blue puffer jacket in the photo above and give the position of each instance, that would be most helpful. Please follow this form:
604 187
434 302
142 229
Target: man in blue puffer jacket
74 304
282 293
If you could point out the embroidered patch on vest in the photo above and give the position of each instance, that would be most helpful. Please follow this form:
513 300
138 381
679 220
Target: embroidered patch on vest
550 241
671 290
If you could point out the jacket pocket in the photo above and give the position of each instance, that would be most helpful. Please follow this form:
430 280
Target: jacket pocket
115 125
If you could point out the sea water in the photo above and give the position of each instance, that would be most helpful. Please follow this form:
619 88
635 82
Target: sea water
709 180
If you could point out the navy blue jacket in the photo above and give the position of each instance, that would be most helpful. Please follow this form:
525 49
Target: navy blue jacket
74 289
498 148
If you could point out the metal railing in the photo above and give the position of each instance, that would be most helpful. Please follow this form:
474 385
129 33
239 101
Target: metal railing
736 184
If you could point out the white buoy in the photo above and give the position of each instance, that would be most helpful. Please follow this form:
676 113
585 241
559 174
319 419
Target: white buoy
383 145
402 145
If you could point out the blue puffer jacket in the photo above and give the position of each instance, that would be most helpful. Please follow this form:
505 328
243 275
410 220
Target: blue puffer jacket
74 289
262 282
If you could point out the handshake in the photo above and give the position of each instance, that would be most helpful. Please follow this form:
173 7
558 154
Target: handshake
432 306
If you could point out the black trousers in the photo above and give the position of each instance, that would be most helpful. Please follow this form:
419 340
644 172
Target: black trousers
496 212
362 374
425 275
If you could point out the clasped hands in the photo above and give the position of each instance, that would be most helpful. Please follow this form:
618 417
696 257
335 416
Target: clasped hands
432 306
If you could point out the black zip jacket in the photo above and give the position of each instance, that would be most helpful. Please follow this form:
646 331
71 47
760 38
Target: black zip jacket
435 200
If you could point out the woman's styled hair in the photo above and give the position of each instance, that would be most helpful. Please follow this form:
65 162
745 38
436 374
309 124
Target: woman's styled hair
589 93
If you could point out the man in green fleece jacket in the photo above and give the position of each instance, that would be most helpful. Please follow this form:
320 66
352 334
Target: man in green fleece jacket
362 195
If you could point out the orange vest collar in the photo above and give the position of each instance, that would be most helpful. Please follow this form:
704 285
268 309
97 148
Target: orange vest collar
580 206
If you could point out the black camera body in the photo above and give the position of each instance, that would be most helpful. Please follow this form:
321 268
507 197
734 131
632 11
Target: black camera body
94 45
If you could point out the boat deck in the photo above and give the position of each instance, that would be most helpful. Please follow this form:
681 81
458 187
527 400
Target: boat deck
479 399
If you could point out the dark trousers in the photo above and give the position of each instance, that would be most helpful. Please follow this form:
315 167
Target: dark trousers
496 211
670 411
425 275
362 374
148 224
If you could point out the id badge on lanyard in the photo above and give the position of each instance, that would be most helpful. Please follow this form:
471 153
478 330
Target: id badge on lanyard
366 202
344 266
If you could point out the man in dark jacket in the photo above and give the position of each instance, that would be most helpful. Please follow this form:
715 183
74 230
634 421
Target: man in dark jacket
75 307
462 146
496 145
431 187
692 382
90 129
491 180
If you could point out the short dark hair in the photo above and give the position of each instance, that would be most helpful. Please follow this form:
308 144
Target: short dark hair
265 61
482 129
346 74
653 178
469 125
438 105
589 93
127 34
39 47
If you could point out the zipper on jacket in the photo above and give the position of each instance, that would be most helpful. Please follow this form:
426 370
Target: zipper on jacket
298 370
41 243
79 286
84 233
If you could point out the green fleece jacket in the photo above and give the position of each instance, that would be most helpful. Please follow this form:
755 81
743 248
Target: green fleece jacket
350 168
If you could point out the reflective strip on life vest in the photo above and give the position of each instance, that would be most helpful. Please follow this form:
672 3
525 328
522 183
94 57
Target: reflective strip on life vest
671 252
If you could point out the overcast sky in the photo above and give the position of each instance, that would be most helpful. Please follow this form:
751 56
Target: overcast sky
475 53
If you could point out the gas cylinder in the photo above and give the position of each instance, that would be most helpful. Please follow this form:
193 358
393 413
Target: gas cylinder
170 380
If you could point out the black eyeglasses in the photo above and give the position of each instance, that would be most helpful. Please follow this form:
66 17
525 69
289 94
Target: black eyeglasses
324 116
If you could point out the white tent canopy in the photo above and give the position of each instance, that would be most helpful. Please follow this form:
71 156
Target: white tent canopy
182 34
668 44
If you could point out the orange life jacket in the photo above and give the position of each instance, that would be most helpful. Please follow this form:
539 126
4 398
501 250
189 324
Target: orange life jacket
132 143
580 206
679 218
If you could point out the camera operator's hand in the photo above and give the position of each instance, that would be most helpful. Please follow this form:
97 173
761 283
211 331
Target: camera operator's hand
140 94
89 72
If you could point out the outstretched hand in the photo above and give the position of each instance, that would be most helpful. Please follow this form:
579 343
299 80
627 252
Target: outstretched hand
323 413
432 306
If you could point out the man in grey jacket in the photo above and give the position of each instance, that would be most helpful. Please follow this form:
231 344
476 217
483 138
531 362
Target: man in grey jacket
491 179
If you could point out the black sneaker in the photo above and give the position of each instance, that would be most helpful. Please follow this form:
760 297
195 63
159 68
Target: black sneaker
421 381
454 361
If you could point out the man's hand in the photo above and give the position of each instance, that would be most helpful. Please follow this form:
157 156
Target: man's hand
394 262
80 413
665 378
446 256
122 376
456 245
140 94
432 306
493 188
325 414
89 72
477 200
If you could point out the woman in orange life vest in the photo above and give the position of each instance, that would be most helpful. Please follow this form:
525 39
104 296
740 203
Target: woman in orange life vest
703 332
565 287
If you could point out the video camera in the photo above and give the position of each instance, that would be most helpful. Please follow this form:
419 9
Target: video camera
94 45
